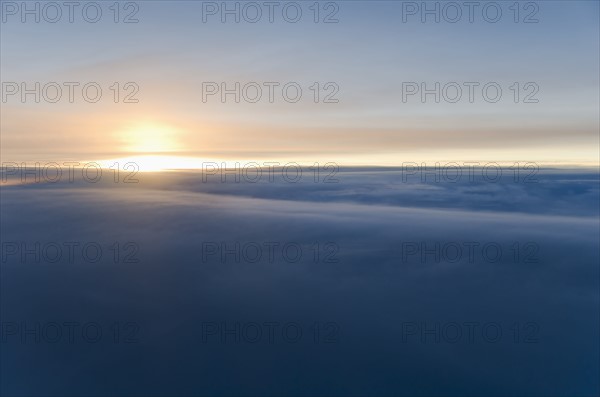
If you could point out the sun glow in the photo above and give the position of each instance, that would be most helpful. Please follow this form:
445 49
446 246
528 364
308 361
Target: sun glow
148 141
150 138
154 163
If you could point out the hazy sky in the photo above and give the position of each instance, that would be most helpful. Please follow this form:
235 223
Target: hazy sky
367 55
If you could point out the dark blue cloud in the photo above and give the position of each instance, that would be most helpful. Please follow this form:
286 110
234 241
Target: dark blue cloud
362 314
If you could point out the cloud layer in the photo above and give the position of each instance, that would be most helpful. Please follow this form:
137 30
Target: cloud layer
380 285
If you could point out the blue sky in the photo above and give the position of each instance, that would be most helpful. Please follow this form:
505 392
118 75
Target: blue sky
368 54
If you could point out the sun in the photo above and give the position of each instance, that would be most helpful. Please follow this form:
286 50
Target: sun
150 138
149 147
